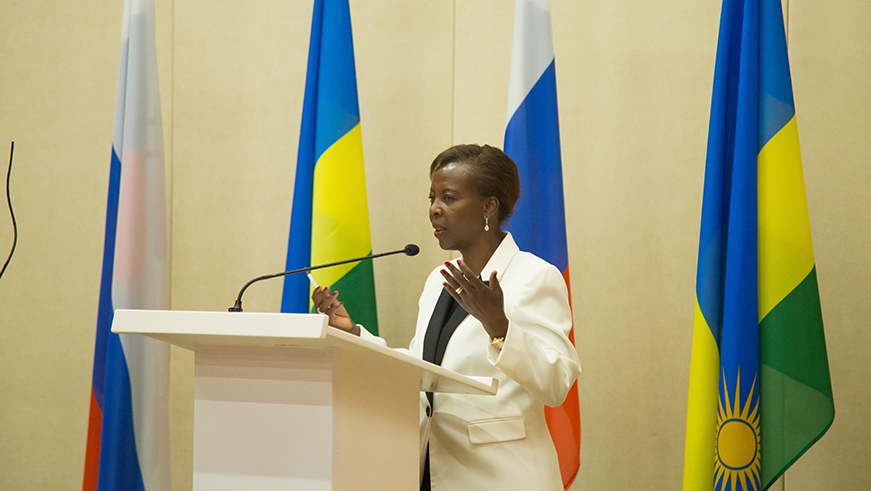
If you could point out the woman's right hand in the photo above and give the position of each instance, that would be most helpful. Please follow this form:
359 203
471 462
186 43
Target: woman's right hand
329 304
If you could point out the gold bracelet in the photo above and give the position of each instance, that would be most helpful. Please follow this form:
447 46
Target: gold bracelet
498 343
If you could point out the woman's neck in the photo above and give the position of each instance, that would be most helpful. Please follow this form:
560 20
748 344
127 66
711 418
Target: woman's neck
477 255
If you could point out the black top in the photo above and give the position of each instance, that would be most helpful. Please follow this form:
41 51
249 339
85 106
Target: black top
446 316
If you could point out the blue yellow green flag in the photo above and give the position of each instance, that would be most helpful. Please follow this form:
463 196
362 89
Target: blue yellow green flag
330 216
760 392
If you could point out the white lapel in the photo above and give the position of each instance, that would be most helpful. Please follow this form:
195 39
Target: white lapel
501 258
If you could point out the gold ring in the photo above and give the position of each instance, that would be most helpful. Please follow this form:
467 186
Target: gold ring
459 290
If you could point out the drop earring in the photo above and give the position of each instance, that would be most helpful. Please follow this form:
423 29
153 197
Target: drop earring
486 224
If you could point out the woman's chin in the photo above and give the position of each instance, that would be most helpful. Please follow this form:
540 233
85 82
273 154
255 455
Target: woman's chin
444 244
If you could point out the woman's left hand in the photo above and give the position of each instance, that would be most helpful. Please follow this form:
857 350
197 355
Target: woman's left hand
482 301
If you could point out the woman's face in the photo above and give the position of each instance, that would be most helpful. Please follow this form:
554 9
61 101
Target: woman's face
456 210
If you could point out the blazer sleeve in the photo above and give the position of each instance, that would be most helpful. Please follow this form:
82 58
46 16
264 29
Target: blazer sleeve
368 336
537 353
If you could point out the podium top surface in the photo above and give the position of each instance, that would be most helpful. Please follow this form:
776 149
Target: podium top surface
188 329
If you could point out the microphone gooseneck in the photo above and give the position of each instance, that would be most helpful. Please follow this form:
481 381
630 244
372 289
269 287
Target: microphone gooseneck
409 250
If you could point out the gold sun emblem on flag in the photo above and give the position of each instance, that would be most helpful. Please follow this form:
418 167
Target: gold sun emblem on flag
737 461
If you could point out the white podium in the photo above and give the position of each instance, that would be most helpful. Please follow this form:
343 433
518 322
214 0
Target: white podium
282 401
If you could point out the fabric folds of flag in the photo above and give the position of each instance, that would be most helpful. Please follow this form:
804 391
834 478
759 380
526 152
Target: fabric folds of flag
760 393
330 216
128 430
539 222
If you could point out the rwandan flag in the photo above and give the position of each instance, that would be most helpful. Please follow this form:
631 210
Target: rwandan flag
539 223
128 429
760 392
330 218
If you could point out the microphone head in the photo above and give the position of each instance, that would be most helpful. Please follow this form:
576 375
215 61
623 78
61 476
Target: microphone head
411 250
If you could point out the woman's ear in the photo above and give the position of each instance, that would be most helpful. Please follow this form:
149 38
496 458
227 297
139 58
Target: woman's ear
491 208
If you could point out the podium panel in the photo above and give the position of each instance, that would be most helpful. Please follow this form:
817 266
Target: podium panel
263 419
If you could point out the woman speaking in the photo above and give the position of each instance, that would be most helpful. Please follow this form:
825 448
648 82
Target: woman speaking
496 312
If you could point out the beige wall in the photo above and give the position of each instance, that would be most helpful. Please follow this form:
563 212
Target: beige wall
634 83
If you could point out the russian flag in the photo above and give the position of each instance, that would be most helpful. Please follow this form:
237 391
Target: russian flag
539 222
128 430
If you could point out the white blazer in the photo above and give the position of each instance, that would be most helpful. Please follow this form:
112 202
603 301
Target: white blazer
502 441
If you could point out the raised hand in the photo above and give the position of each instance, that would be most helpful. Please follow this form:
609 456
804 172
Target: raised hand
482 301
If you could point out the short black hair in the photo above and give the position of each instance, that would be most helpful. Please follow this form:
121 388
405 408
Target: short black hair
494 173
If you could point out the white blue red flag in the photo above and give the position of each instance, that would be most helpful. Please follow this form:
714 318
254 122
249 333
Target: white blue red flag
128 430
539 222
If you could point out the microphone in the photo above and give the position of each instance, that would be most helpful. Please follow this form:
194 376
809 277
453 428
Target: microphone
409 250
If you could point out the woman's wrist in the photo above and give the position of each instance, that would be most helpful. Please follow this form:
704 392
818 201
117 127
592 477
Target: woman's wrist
498 329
